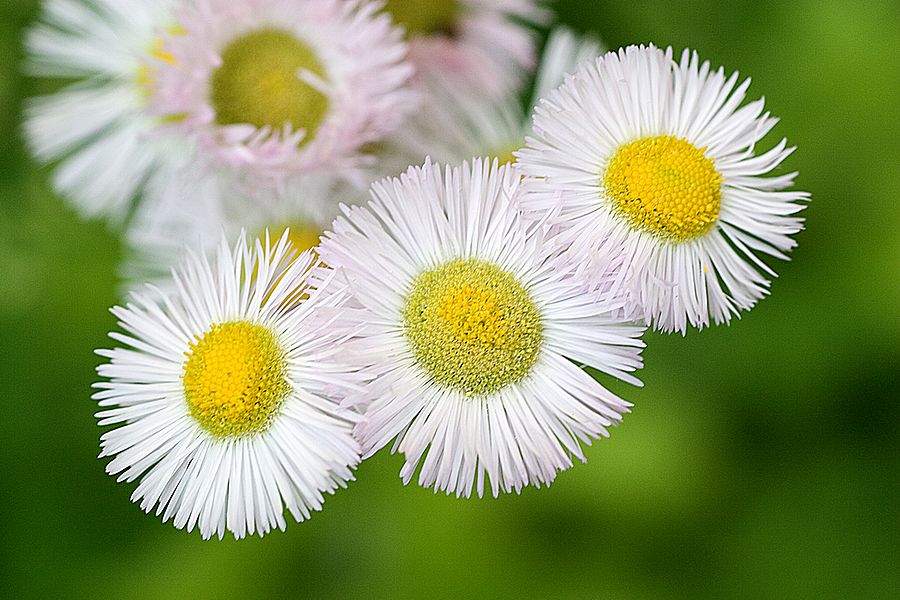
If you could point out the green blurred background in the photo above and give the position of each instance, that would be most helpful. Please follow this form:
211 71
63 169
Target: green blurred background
761 460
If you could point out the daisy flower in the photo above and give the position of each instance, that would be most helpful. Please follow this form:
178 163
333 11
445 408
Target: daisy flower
457 122
284 87
470 321
476 42
639 151
98 125
221 394
191 210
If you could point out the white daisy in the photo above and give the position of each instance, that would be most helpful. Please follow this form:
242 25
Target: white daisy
475 42
98 126
222 393
458 122
471 321
283 87
639 151
191 210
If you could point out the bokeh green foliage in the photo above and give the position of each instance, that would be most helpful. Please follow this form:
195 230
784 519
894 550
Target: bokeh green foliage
761 459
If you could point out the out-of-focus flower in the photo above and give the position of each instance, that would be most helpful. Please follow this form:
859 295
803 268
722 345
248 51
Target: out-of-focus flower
254 91
470 321
98 125
457 122
658 157
277 88
221 394
191 209
484 43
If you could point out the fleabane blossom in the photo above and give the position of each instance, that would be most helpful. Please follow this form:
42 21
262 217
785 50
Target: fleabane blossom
458 122
659 157
98 127
474 326
222 396
483 43
277 88
191 209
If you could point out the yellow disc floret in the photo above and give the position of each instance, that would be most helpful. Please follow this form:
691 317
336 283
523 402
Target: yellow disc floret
235 379
425 16
303 236
506 155
666 186
472 327
259 83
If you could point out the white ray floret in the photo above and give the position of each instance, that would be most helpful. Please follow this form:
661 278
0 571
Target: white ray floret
221 394
475 326
659 157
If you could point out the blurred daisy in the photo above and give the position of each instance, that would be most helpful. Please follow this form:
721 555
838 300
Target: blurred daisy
458 122
282 87
639 151
476 42
471 322
190 210
98 125
222 393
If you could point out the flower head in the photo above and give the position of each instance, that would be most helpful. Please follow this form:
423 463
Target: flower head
471 321
98 126
222 393
458 122
482 43
190 209
284 87
659 157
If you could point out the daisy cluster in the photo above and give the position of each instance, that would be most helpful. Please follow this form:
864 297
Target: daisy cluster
300 298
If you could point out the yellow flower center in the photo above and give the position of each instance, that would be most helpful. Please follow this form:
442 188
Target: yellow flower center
235 379
506 155
472 327
425 16
302 235
259 83
665 186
